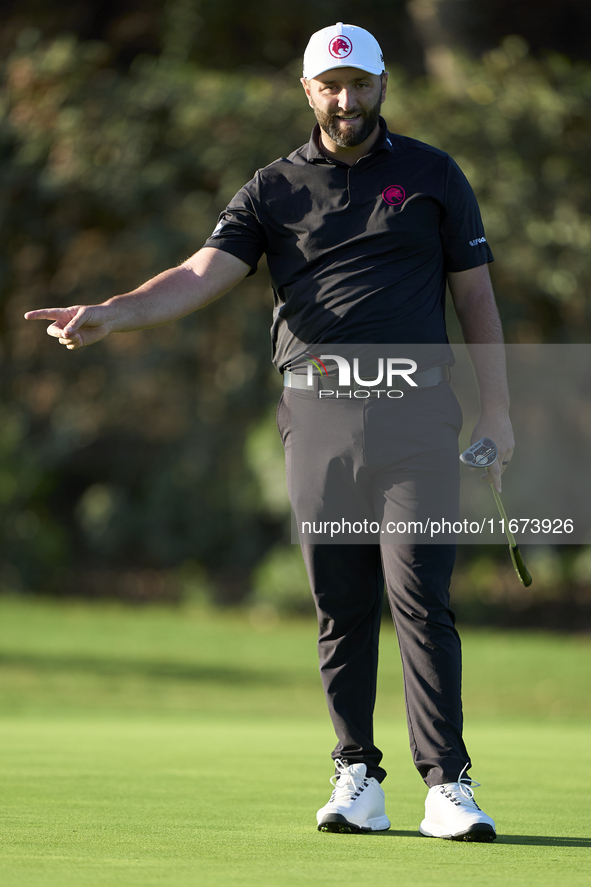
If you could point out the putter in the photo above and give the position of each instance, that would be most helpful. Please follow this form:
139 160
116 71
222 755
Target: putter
483 454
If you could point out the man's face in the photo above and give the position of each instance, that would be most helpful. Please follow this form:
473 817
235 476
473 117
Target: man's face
346 103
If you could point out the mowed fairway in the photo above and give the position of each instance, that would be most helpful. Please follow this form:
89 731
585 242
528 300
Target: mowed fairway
176 747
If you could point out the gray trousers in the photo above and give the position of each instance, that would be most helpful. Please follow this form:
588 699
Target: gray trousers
386 462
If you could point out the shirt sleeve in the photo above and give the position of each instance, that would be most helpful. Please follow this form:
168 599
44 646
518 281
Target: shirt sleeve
462 232
239 230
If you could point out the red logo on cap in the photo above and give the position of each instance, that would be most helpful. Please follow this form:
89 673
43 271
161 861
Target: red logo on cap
394 195
340 47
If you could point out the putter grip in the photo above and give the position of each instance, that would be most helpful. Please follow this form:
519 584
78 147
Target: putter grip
520 567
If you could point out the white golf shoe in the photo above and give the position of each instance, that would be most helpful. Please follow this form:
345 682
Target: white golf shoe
451 812
356 804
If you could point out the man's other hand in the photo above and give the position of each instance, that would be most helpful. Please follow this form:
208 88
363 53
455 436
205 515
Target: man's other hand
498 428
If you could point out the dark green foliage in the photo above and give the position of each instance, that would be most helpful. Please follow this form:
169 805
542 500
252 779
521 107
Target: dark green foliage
108 180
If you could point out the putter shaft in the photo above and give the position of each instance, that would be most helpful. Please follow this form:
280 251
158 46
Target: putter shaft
484 453
503 514
517 560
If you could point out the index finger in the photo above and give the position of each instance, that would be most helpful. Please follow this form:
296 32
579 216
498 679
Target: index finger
492 476
46 314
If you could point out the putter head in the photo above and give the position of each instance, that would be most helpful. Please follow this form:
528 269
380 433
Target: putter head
481 454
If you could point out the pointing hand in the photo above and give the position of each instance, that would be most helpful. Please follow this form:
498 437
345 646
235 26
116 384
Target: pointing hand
76 326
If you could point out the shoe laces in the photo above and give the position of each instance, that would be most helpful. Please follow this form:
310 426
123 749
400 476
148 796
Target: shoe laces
346 786
461 792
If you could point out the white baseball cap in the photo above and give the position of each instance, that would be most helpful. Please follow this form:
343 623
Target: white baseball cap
342 46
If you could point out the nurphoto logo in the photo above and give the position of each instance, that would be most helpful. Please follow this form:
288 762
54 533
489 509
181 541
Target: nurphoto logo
389 371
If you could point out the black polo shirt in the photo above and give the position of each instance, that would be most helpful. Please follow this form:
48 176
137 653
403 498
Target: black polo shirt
357 254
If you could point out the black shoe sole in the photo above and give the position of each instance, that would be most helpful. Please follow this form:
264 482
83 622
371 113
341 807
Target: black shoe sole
482 836
337 824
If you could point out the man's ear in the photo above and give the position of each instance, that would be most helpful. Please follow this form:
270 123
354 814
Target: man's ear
306 86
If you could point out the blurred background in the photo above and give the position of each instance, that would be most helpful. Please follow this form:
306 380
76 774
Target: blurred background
148 468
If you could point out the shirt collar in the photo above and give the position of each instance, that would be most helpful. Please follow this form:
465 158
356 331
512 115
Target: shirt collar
313 153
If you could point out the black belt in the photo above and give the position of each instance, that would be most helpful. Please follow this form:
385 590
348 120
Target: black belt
423 379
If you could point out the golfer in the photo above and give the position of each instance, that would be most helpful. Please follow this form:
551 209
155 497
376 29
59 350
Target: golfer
362 229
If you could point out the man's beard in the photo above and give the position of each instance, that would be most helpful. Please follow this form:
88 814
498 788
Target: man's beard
349 137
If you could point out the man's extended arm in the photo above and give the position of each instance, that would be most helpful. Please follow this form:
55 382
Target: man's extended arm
169 296
475 306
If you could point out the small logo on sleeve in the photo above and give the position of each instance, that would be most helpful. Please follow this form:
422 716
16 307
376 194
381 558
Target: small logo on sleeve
340 47
394 195
477 241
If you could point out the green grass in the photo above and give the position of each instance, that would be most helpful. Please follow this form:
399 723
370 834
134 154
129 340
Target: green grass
180 748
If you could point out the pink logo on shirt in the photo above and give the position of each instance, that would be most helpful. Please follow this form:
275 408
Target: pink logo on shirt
340 47
394 195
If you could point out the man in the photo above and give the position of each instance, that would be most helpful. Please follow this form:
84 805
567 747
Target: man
361 229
